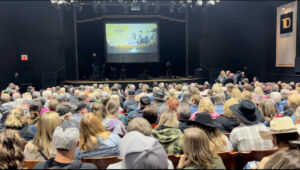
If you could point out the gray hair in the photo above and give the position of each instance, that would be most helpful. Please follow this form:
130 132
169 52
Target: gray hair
186 96
184 111
219 98
284 94
276 96
141 125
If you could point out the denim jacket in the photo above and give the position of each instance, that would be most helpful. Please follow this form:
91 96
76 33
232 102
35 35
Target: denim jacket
108 147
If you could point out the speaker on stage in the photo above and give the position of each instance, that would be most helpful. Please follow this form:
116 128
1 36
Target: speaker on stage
297 64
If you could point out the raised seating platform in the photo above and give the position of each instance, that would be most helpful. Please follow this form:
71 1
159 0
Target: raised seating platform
136 81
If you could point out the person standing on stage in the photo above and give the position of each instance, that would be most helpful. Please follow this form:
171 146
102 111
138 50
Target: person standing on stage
95 65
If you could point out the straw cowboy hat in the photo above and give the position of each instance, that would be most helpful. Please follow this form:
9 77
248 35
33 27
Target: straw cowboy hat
280 125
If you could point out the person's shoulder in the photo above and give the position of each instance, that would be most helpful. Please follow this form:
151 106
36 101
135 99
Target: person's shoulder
41 165
115 166
88 166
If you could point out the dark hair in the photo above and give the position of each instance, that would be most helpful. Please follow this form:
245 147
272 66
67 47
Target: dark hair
11 156
286 137
288 159
150 113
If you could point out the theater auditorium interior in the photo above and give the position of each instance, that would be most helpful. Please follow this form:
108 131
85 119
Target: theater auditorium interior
149 84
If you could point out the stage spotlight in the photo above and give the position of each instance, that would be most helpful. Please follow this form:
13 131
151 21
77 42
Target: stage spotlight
217 1
211 2
54 1
189 1
199 2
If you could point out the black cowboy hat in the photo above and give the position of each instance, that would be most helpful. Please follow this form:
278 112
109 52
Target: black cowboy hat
247 112
203 118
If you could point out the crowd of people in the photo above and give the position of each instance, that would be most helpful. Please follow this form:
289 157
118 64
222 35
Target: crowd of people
142 125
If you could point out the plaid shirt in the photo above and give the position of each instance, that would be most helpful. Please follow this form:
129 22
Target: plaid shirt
245 138
171 139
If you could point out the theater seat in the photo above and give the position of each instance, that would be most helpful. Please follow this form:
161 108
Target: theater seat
102 162
174 159
229 159
255 155
30 164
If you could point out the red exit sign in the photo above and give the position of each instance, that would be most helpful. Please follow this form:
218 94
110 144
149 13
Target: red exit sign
24 57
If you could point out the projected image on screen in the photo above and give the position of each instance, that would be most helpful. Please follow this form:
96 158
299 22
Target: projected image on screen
131 38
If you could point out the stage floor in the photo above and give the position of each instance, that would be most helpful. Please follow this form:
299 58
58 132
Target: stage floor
135 81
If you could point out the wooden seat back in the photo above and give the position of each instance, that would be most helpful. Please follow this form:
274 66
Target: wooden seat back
254 155
229 159
102 162
174 159
30 164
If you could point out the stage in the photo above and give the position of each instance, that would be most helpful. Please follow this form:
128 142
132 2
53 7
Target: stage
135 81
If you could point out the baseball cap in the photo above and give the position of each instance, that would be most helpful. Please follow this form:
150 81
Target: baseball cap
81 105
131 93
145 100
66 136
142 152
63 109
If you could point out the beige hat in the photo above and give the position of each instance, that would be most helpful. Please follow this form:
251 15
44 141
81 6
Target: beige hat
279 125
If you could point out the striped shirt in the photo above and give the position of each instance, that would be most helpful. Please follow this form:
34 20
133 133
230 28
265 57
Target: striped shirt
245 138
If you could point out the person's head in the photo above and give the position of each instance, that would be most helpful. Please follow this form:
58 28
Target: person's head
112 108
90 129
150 113
172 104
184 111
196 147
205 105
142 152
236 93
219 98
5 98
16 96
186 97
268 109
282 130
284 94
141 125
169 118
16 118
284 159
53 104
246 95
195 99
82 108
82 96
246 112
276 96
259 91
64 111
226 107
44 132
99 110
131 94
144 101
11 156
35 109
66 139
297 116
294 101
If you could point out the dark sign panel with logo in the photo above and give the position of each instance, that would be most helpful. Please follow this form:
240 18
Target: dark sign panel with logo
286 23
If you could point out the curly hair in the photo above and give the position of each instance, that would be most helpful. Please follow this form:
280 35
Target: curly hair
206 105
10 147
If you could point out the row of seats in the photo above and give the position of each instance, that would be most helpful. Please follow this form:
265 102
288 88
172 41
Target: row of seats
231 160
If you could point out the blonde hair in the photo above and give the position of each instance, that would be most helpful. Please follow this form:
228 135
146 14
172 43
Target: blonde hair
246 95
268 109
259 91
90 129
196 148
222 73
236 93
145 88
195 99
219 98
226 107
294 101
44 132
16 118
205 105
169 118
172 94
